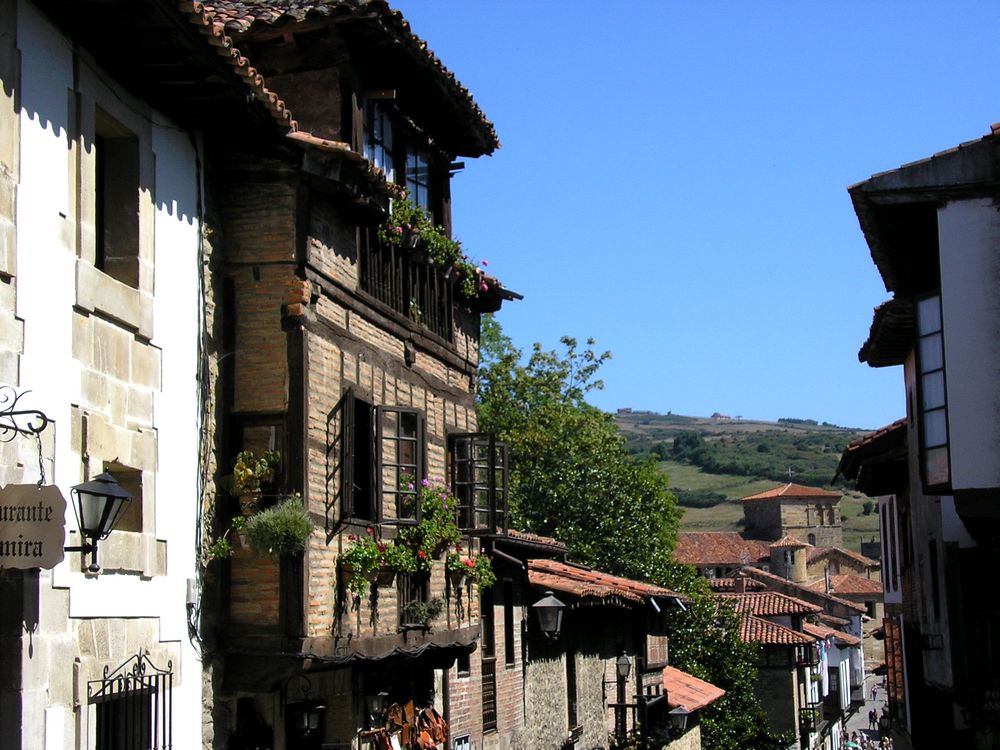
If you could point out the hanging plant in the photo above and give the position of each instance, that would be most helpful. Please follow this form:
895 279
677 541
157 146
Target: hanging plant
436 530
281 530
410 228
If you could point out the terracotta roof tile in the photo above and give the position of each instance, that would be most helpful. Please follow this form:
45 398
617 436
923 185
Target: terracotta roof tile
770 604
719 548
729 584
687 691
816 553
792 490
535 539
757 630
240 16
839 622
776 581
821 631
199 14
849 584
577 580
788 542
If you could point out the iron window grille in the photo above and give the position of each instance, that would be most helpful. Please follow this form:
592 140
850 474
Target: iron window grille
479 471
133 706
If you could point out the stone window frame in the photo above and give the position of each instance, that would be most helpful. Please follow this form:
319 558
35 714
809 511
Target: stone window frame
97 291
102 446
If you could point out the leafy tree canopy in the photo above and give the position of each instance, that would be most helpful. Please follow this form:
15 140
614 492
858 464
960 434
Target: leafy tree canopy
571 478
570 475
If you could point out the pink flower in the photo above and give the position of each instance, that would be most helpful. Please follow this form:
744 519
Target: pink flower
469 563
371 531
397 230
485 262
425 483
352 538
484 286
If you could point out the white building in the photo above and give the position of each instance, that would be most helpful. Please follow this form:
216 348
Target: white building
103 112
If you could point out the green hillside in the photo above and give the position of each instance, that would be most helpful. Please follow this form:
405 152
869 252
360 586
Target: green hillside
712 463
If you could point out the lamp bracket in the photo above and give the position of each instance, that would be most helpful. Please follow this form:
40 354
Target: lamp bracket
13 421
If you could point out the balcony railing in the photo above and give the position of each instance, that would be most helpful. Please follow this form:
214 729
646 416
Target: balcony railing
422 292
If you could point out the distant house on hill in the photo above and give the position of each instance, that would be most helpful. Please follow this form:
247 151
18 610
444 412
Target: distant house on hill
625 410
721 417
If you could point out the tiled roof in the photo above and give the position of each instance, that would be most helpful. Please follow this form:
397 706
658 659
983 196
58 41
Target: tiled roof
849 584
788 542
757 630
240 16
687 691
729 584
577 580
792 490
821 631
719 547
525 536
216 37
834 621
816 553
770 604
776 581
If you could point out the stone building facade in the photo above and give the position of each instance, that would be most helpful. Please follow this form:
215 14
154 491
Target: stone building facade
810 514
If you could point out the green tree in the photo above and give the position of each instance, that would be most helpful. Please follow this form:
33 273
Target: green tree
570 475
571 478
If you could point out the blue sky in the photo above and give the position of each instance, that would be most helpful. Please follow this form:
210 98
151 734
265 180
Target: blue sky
673 182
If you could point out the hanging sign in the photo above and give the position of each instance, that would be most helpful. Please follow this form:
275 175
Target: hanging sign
32 533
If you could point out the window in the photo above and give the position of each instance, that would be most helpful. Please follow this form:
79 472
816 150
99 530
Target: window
133 706
931 380
374 461
130 481
418 180
508 624
812 539
116 199
378 138
412 593
479 479
463 664
819 514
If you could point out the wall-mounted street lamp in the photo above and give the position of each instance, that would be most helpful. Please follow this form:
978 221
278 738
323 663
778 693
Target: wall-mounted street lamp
98 504
305 717
623 665
550 612
679 719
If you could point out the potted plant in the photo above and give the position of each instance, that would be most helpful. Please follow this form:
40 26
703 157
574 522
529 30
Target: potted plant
482 572
360 561
436 530
219 549
458 567
395 558
249 474
281 530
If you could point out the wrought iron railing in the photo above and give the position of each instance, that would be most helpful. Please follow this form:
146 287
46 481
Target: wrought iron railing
133 706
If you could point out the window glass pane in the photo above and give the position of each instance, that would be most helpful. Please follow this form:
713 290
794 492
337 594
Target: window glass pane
929 315
930 353
418 179
936 465
935 428
932 390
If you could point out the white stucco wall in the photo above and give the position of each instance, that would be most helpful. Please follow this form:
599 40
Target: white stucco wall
47 290
969 234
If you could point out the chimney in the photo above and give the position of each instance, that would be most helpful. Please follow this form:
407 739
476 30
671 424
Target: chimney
740 583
